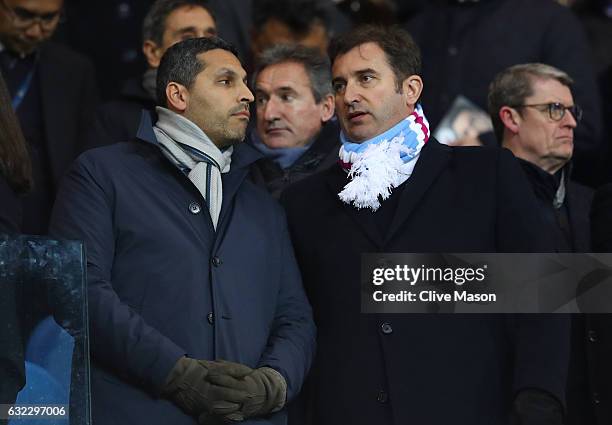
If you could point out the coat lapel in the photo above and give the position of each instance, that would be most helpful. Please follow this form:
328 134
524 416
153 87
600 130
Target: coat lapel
336 180
433 159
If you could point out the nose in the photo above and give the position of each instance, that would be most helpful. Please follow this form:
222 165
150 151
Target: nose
34 31
246 95
569 120
270 109
351 94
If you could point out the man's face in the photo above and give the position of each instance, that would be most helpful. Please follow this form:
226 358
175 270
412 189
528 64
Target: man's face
287 114
367 100
218 101
25 24
181 24
274 32
541 140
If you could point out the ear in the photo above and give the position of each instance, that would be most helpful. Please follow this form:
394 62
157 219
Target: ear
152 52
412 88
177 97
327 108
510 118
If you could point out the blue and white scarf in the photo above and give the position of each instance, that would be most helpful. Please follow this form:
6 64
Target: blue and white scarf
378 165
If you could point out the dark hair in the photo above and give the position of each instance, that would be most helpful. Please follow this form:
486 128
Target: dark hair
401 52
15 164
180 63
316 65
154 23
514 84
298 15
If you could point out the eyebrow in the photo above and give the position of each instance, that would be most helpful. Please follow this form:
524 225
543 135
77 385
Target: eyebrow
358 73
365 71
228 72
186 30
286 89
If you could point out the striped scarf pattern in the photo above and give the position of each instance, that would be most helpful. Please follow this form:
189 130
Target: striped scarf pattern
378 165
190 149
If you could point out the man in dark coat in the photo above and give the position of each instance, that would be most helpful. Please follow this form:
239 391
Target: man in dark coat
167 22
53 93
404 192
187 261
534 115
295 106
466 43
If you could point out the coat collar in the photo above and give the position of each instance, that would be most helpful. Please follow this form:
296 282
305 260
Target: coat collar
433 159
242 157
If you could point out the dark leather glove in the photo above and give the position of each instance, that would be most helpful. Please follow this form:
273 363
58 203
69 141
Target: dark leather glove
536 407
188 387
264 389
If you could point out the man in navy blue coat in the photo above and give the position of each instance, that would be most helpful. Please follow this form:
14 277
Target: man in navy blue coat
187 261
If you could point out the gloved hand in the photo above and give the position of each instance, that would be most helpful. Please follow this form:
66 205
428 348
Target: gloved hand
264 389
188 387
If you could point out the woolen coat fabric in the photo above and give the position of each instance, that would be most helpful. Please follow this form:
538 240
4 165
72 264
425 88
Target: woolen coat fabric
589 395
418 368
575 209
163 284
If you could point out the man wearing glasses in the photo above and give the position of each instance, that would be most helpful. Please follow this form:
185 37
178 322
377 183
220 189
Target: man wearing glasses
534 115
53 92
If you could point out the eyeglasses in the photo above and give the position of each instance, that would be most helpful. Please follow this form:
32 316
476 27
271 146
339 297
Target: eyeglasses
23 18
556 110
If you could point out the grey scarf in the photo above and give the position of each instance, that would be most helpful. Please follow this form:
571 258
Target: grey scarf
190 149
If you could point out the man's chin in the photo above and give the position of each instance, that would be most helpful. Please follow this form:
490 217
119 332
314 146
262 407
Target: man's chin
22 49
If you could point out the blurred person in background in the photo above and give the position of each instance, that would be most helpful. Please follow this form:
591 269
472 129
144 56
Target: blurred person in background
380 12
304 22
116 54
15 166
166 23
294 104
53 92
15 180
466 43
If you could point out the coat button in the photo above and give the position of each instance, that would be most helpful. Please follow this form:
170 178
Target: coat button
382 397
592 335
596 398
194 208
211 318
216 261
386 328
